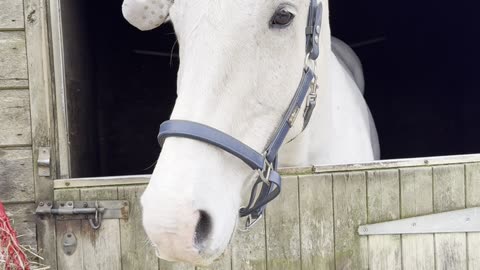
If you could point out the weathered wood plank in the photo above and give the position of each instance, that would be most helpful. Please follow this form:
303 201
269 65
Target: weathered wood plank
283 228
248 248
15 118
16 176
101 248
166 265
383 205
224 262
417 199
13 84
449 194
43 129
137 253
13 57
473 199
316 222
22 217
11 14
350 211
73 261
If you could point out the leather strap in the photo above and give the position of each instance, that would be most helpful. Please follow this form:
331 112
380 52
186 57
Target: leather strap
266 164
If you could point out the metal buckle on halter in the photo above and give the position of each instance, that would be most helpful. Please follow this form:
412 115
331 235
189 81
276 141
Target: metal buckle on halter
311 102
250 222
264 173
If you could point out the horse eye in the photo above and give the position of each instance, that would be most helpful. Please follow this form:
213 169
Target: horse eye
281 18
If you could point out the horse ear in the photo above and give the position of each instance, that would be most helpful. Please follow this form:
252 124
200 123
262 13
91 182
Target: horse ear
146 14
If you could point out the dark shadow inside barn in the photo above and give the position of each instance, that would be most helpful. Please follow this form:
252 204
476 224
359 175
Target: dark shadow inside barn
419 61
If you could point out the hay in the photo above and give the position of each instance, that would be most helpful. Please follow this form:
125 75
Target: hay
14 256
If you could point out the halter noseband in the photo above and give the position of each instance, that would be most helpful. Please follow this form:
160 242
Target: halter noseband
264 163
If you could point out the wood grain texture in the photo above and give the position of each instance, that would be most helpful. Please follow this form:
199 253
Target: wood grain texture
42 122
316 221
248 248
16 176
350 210
283 228
449 194
417 200
224 262
73 261
107 238
165 265
11 14
383 205
15 118
472 172
136 251
13 57
13 84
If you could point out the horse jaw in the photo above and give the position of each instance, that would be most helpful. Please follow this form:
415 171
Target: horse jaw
237 75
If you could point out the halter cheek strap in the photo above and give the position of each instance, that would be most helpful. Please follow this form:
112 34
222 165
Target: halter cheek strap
265 163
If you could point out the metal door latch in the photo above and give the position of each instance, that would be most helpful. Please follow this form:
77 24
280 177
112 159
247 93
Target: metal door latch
93 211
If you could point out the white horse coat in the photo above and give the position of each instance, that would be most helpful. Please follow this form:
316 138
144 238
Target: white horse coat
238 71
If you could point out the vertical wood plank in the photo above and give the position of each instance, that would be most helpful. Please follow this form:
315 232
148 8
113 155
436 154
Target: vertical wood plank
417 200
73 261
316 221
137 253
43 131
166 265
224 262
283 230
350 211
449 194
473 200
248 248
383 205
101 248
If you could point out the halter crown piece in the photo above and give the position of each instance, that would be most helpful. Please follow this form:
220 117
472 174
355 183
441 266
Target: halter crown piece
264 163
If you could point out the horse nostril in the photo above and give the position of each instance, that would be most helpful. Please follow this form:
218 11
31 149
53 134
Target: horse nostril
203 228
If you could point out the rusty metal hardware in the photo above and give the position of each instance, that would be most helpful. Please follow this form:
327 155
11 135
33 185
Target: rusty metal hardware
93 211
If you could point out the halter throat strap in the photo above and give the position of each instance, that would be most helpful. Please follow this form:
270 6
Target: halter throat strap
264 163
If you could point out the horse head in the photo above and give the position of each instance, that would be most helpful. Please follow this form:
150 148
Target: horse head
240 64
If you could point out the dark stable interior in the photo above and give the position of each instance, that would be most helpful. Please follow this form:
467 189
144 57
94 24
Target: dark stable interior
420 62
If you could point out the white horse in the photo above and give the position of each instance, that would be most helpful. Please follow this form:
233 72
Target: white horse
240 63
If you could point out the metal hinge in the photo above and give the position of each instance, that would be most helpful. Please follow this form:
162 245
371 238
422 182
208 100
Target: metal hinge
465 220
93 211
43 161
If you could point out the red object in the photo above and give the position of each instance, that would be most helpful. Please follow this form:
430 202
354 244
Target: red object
10 250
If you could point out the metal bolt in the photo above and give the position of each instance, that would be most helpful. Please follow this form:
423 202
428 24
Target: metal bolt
125 203
85 204
67 184
69 203
365 229
69 235
317 29
316 39
62 204
49 204
41 203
